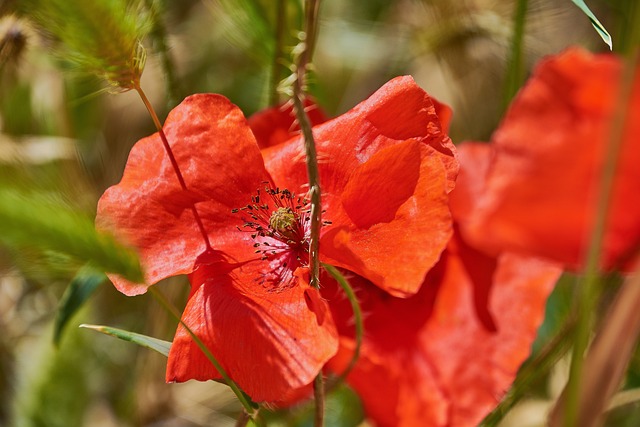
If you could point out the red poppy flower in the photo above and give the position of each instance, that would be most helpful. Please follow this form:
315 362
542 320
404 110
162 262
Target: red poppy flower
545 162
386 170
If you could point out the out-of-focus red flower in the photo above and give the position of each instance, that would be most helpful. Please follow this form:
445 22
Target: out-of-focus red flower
538 190
386 170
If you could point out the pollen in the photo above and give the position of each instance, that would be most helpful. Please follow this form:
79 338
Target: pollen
283 220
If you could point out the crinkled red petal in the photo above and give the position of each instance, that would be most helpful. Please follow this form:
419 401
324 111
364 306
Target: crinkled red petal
385 168
222 168
547 163
393 219
269 340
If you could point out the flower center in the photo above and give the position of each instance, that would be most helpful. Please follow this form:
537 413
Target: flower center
279 223
283 221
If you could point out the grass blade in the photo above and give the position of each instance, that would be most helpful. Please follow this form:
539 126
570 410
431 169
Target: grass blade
160 346
604 34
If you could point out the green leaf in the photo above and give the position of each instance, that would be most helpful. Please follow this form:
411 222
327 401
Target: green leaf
606 37
77 293
43 222
160 346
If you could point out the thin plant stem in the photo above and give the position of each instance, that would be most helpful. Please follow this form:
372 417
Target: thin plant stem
304 58
318 392
311 9
173 160
515 70
588 289
250 409
314 185
357 315
277 51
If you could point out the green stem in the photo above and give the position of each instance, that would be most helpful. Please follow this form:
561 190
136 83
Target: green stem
515 71
311 18
277 51
311 9
318 392
357 314
250 409
588 289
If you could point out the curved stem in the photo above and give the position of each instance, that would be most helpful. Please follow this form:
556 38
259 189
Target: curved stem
250 409
173 160
359 324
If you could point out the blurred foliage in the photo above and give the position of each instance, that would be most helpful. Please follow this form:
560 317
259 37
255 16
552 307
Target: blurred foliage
42 223
101 37
75 296
63 141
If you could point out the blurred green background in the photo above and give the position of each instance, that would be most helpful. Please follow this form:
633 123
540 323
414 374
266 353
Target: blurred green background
63 136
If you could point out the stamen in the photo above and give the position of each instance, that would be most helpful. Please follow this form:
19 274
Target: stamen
279 223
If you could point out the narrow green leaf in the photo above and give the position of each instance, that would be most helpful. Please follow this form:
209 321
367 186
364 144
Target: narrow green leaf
604 34
43 222
160 346
77 293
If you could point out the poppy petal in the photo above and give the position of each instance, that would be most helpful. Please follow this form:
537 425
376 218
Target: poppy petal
376 140
268 340
394 199
429 360
547 160
222 168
